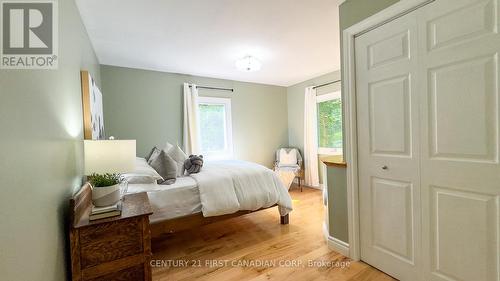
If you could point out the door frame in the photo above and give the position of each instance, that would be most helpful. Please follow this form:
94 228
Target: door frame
397 10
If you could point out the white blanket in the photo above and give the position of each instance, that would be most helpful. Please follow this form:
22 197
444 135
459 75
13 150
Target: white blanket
287 174
230 186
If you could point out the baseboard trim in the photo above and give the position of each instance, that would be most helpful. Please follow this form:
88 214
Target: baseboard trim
335 244
320 186
338 246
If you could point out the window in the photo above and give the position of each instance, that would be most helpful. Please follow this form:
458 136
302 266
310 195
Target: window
329 123
215 127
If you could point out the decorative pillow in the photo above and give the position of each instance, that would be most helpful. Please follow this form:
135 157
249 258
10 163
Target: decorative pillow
150 153
193 164
154 153
142 167
166 167
167 147
179 156
288 157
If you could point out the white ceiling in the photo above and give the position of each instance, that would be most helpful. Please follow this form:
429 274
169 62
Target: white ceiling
294 39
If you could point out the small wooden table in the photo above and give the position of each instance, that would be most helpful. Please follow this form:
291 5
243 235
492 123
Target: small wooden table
335 161
116 248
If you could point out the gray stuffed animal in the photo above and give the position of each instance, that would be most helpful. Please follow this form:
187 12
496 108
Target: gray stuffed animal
193 164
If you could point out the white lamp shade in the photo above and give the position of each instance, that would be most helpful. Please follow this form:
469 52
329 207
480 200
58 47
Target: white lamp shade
109 156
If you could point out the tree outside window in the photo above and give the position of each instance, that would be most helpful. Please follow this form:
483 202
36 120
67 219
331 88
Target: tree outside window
329 123
215 130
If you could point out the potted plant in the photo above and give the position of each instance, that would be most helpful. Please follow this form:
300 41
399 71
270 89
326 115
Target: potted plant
105 189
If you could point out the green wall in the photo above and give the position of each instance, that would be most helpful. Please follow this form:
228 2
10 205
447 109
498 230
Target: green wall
147 106
354 11
337 203
41 155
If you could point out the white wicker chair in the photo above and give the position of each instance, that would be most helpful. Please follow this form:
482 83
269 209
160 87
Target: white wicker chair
299 169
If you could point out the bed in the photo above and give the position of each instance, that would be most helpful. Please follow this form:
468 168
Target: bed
222 190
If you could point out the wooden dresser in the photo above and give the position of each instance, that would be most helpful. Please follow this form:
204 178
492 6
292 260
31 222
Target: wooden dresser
117 248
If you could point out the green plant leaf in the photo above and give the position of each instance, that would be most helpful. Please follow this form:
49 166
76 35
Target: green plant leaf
98 180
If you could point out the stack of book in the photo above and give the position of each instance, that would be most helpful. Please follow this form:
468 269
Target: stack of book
105 212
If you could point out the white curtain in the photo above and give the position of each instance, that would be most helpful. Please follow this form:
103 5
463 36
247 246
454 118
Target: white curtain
310 138
191 123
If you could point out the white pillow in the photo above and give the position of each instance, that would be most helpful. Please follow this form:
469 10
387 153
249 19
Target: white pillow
136 178
167 147
142 167
288 158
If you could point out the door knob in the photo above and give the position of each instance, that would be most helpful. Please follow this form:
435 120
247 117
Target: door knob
385 167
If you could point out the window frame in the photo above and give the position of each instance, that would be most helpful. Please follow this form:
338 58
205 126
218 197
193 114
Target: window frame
227 153
319 99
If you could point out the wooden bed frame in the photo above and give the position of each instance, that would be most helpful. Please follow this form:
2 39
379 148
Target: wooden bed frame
166 227
174 225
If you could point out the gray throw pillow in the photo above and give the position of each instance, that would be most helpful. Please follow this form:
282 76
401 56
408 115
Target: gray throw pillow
149 154
155 152
166 167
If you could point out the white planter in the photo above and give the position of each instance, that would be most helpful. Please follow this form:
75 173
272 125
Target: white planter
106 196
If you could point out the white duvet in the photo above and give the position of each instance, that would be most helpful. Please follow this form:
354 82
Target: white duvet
230 186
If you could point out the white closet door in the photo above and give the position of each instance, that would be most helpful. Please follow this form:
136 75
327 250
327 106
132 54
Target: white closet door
388 148
459 45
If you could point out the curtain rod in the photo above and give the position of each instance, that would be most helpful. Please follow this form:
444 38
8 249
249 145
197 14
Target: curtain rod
213 88
326 84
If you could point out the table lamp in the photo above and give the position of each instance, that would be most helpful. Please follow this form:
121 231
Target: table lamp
104 160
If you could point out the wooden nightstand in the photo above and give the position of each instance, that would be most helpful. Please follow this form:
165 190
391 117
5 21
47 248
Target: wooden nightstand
117 248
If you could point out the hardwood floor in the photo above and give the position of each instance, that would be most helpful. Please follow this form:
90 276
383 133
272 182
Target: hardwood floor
233 249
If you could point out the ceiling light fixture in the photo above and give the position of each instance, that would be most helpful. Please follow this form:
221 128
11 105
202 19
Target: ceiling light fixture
248 64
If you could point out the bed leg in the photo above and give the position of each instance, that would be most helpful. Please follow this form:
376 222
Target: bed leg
284 219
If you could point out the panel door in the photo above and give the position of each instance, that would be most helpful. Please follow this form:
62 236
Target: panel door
388 148
458 66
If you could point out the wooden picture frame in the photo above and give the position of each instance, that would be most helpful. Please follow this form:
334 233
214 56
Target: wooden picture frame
93 115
